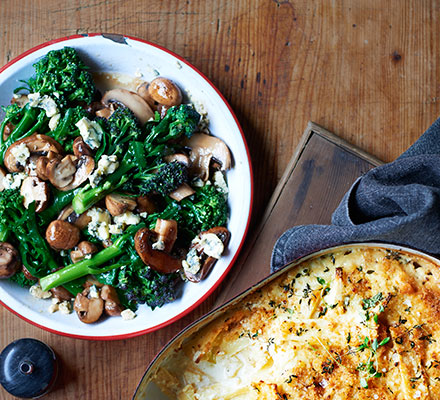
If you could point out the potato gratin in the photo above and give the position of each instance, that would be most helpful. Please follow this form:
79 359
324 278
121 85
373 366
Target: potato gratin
361 323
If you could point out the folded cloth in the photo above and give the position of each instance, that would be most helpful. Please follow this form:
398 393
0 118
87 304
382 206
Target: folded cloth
397 203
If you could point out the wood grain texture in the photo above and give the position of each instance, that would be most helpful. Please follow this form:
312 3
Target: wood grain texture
367 70
319 173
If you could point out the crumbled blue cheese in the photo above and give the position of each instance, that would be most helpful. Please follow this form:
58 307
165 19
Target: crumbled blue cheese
192 263
90 131
99 224
38 293
220 183
93 292
127 314
64 307
21 153
53 122
143 214
211 244
45 102
115 229
13 181
127 218
106 166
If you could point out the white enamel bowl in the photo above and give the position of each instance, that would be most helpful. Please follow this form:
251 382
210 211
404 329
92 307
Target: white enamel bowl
134 57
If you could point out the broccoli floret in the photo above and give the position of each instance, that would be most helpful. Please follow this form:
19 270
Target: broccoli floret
168 178
179 121
208 209
141 284
120 128
18 225
63 72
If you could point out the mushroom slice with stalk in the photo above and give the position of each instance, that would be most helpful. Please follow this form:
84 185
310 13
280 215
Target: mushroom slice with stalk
61 172
166 230
157 259
36 144
131 100
70 172
41 164
204 252
9 260
84 167
205 148
61 235
35 190
181 192
88 308
118 204
79 220
112 305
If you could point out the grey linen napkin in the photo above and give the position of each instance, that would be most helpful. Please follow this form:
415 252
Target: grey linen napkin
396 203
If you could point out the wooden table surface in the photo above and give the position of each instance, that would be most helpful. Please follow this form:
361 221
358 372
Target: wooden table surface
367 70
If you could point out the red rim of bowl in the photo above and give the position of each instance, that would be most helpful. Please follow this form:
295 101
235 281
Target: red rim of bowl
217 283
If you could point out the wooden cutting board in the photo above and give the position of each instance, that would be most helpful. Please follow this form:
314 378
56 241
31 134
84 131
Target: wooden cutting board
319 173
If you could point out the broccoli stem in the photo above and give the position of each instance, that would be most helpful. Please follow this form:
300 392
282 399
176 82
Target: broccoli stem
90 266
29 124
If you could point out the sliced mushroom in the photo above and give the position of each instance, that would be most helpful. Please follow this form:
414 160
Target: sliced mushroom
79 220
132 100
207 261
85 248
205 148
61 293
61 172
61 235
89 309
80 148
70 172
35 190
84 167
145 205
166 230
41 164
9 260
181 192
37 144
112 305
158 260
118 204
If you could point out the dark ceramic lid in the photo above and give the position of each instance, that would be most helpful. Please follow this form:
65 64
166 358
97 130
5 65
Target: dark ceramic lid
28 368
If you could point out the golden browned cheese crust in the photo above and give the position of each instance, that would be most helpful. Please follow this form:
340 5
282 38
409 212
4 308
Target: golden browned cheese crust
361 323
